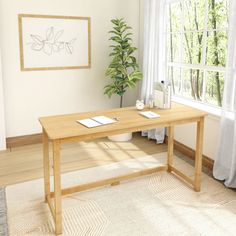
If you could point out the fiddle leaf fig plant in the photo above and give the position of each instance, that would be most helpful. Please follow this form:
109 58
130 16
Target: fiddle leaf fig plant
123 69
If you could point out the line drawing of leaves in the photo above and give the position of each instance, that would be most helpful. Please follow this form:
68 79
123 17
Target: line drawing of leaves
36 46
69 48
37 39
47 48
50 34
58 35
50 43
58 46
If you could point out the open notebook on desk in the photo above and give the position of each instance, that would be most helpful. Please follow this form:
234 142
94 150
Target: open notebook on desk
149 114
96 121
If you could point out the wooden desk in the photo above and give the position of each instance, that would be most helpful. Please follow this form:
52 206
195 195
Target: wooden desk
64 128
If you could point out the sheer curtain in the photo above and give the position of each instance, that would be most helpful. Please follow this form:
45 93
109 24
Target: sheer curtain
153 55
225 163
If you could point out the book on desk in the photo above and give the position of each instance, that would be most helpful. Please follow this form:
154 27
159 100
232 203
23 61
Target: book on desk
149 114
96 121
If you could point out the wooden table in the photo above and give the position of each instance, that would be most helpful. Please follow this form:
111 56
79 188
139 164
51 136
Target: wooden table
64 128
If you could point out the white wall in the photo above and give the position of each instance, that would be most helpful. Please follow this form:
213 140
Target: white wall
29 95
186 134
2 116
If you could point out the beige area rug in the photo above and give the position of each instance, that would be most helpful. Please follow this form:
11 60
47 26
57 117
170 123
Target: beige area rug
155 205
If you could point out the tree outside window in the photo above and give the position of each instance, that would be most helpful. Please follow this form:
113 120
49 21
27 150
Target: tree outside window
196 38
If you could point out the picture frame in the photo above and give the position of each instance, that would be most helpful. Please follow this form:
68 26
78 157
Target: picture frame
49 42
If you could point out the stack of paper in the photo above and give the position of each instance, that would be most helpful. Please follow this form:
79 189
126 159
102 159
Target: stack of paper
149 114
96 121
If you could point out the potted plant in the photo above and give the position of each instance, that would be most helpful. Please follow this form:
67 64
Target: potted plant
123 70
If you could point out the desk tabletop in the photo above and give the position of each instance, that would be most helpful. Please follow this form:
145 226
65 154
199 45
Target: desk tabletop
65 127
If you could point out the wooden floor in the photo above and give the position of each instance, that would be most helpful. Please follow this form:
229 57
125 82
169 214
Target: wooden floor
26 162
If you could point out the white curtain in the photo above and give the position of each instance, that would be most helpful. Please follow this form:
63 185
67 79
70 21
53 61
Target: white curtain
2 117
153 55
225 163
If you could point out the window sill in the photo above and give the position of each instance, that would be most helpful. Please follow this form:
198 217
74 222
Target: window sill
214 112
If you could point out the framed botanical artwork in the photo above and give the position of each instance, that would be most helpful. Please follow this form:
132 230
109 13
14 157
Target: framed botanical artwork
54 42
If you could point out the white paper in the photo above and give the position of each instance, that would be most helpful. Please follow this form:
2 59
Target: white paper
89 123
149 114
103 120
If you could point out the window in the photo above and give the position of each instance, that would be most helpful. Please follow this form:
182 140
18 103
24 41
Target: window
196 38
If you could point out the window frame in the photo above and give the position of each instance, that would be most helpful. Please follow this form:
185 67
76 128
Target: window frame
203 67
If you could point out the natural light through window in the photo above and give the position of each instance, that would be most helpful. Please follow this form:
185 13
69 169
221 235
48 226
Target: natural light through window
196 38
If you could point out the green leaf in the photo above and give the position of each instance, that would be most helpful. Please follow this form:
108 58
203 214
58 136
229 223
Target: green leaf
126 35
115 32
123 68
115 22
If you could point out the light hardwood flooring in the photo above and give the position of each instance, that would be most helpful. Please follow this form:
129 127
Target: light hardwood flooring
26 162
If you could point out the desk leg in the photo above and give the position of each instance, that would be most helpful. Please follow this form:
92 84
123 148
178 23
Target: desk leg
57 186
46 165
198 155
170 147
